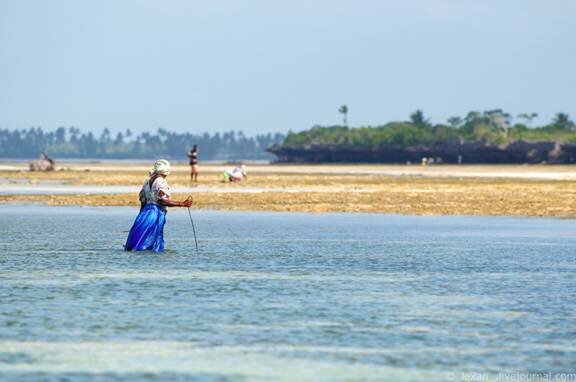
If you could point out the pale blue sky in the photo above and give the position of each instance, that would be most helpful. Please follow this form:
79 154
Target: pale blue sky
274 66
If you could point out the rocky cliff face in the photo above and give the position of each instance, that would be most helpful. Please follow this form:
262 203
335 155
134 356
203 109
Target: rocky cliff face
446 152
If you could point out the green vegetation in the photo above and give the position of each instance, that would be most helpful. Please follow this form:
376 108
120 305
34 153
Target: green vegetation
492 127
72 143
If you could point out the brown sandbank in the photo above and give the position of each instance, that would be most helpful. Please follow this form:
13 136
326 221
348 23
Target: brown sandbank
439 190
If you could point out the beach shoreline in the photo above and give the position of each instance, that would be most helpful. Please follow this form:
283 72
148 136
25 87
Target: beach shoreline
506 190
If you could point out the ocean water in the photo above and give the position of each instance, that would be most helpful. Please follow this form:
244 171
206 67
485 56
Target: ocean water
284 297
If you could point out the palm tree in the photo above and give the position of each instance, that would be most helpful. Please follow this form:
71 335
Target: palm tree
418 119
455 122
344 111
473 117
500 120
563 120
528 117
74 133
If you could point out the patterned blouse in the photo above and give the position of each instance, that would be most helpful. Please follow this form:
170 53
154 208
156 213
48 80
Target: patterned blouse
151 194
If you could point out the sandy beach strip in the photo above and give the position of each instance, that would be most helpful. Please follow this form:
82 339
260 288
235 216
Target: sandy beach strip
434 190
547 172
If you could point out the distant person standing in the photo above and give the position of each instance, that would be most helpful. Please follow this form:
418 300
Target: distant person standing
193 156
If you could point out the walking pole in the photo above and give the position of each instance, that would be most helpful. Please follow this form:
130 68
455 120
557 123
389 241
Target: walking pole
193 229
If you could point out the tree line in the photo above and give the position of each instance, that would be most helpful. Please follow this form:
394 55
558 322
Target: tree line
491 127
73 143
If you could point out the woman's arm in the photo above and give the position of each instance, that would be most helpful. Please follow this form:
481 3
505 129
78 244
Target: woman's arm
173 203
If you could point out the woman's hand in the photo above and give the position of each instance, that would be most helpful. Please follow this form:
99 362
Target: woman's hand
188 202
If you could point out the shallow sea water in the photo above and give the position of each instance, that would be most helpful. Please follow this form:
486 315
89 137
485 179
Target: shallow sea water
284 297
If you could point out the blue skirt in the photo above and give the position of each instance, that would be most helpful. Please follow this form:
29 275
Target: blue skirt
147 232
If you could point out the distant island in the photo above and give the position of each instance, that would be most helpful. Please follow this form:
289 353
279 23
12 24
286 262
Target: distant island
480 137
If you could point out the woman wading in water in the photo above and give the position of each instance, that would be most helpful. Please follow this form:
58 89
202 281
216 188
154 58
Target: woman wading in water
147 232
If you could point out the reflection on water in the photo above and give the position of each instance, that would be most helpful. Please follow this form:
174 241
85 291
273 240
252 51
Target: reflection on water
285 297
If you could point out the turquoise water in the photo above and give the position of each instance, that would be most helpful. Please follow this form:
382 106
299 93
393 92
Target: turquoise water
284 297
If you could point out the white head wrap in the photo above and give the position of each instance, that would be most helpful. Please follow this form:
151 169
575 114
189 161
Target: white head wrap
161 166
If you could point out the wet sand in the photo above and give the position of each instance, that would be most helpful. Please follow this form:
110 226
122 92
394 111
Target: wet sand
434 190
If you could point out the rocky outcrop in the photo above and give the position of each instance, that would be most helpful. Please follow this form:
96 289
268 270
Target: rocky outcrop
446 152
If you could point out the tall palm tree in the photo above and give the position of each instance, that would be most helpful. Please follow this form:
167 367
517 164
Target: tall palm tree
563 119
418 118
344 111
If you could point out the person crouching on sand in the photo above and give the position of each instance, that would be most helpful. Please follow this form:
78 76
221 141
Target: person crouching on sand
237 174
147 232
